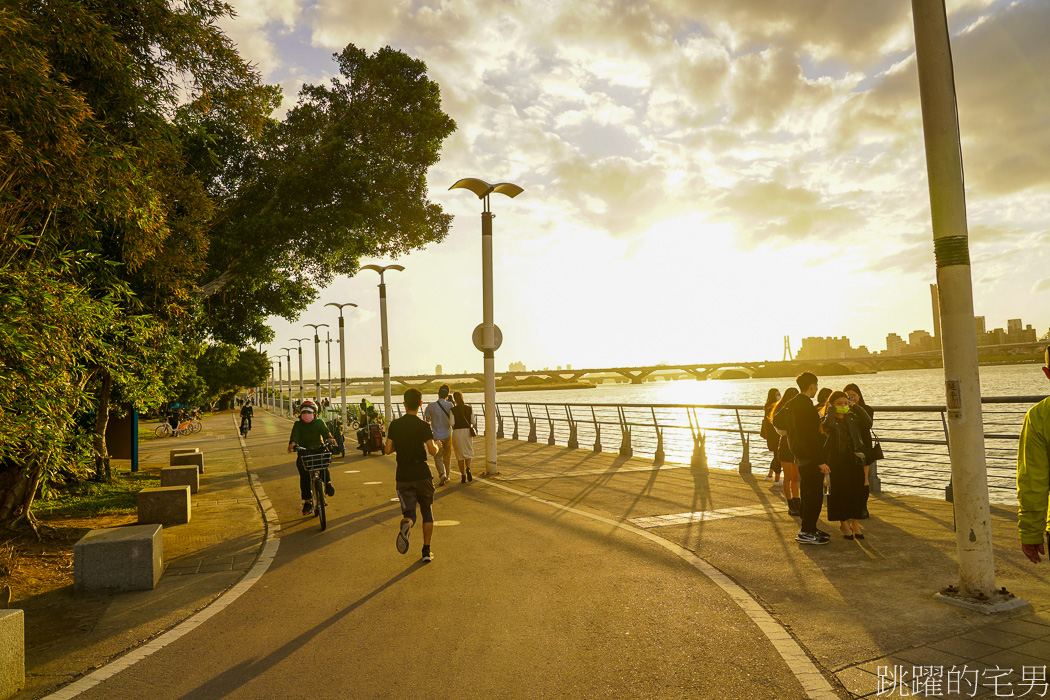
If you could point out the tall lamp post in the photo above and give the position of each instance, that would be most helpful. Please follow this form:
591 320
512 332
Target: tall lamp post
277 400
973 533
328 344
385 349
490 338
288 353
302 393
342 358
317 359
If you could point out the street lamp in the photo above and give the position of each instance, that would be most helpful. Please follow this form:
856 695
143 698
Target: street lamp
288 353
302 395
317 359
342 358
328 343
490 337
280 381
385 349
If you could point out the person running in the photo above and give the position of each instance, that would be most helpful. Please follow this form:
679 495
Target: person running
769 433
803 432
310 432
1033 476
463 436
246 418
411 438
844 452
784 454
439 415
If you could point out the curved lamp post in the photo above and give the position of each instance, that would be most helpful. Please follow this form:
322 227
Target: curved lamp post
342 359
488 343
288 352
317 359
385 349
302 393
280 380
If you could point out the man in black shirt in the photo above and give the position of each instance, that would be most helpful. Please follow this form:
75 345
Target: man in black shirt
807 444
411 438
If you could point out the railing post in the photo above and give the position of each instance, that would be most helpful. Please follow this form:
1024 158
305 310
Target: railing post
658 458
949 491
574 442
499 423
745 441
597 433
699 458
625 434
550 437
532 424
515 419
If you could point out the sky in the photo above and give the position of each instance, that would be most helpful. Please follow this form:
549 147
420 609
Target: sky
701 178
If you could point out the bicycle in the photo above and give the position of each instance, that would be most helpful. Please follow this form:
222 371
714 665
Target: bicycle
184 428
245 426
316 460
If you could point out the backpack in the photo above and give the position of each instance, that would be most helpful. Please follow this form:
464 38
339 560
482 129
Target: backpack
782 421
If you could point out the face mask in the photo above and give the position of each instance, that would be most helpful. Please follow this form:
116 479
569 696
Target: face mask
842 410
307 417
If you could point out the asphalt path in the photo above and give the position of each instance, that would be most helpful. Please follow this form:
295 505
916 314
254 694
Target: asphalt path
522 600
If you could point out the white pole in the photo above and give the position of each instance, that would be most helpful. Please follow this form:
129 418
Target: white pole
302 392
973 536
387 403
280 382
328 347
488 337
342 370
317 367
289 353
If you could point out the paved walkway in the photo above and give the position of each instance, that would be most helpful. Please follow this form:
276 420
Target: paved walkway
571 574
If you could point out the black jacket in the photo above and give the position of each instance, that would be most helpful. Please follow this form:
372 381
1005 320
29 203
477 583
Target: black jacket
803 431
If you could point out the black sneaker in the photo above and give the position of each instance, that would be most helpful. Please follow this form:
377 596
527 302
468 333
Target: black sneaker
428 556
822 533
329 489
402 536
470 477
463 479
308 507
810 538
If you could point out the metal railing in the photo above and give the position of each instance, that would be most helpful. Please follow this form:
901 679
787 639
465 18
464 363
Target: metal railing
914 438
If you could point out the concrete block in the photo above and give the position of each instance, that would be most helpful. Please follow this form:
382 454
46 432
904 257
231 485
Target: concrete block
181 476
119 558
196 458
167 505
181 450
12 652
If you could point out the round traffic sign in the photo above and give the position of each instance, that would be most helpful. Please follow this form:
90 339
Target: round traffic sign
479 337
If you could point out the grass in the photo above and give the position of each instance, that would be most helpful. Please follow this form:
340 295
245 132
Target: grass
91 498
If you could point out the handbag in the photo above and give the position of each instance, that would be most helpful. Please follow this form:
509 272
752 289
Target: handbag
473 433
875 453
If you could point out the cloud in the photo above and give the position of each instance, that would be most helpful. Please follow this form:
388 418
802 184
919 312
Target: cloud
1041 286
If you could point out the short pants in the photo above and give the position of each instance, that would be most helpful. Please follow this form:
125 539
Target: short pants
413 493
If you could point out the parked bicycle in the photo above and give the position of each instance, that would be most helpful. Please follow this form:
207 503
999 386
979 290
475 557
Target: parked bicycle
317 460
184 428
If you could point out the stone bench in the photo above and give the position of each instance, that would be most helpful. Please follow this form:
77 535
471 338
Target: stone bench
119 559
181 476
181 450
167 505
196 458
12 653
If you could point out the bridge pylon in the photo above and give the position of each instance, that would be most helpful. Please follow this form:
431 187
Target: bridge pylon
788 356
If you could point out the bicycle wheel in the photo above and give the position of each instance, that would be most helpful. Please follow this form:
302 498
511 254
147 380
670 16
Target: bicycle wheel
321 509
196 426
163 430
354 425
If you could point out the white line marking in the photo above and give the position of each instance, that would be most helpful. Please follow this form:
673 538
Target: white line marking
372 483
269 551
699 516
812 680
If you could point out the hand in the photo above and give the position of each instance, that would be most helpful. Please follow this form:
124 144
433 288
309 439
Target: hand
1032 551
825 469
291 446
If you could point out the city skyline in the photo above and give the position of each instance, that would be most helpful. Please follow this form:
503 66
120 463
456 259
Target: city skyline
680 167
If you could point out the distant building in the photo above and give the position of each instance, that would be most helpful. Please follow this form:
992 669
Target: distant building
921 341
1013 325
824 348
895 345
978 325
437 370
517 367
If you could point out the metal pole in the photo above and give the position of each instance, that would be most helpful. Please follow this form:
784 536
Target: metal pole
973 535
317 367
280 381
289 353
385 350
342 370
302 393
488 337
328 344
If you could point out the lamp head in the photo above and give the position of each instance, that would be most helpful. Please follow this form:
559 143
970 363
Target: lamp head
483 189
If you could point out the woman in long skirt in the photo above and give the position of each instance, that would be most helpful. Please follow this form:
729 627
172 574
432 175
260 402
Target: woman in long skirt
844 453
462 435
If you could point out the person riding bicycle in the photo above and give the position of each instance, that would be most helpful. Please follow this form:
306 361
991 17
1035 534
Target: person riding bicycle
246 418
310 432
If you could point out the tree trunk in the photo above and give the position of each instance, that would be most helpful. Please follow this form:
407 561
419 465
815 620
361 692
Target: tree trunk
102 470
17 489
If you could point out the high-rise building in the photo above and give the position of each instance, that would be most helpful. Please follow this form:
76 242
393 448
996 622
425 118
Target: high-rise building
517 367
978 324
921 341
824 348
437 370
1014 325
895 345
936 312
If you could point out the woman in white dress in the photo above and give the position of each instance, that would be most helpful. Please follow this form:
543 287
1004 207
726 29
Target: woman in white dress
462 435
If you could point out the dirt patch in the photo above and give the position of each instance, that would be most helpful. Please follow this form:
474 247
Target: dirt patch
40 576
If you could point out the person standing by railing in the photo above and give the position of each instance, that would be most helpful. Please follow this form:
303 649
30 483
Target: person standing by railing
844 453
1033 476
769 434
463 435
803 426
856 398
787 459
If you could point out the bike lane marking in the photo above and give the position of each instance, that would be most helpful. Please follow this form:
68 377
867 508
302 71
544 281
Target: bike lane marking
266 557
797 660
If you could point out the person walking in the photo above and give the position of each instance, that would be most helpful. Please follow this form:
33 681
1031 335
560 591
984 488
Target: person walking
784 454
770 435
1033 476
463 435
439 415
844 452
411 438
310 432
807 444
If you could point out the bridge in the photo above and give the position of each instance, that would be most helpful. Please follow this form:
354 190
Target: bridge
706 370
